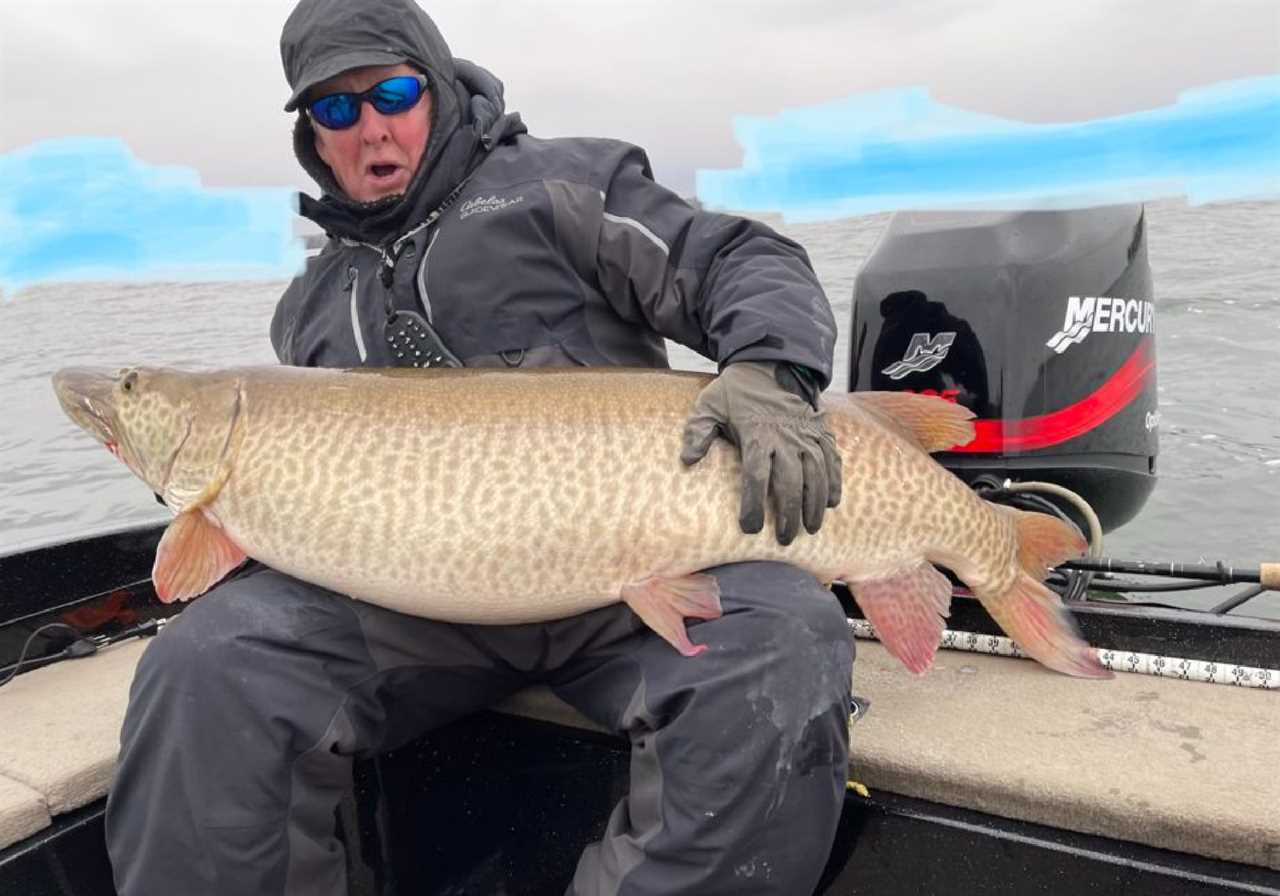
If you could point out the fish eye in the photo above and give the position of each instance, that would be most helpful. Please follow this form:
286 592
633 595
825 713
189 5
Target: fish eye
129 381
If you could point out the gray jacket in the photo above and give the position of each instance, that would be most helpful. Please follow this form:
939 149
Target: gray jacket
523 251
563 252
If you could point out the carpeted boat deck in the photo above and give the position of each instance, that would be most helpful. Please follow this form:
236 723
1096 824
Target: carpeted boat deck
1167 763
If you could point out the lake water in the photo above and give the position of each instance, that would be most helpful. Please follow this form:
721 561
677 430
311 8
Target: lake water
1216 270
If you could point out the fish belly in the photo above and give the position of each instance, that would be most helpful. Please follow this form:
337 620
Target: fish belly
515 516
522 497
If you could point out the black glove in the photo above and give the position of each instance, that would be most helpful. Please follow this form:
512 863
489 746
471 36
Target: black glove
770 412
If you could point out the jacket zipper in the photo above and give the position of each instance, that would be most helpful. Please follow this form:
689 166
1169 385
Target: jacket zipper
389 261
422 276
353 284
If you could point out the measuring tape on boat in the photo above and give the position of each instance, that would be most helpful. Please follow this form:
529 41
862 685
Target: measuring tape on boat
1118 660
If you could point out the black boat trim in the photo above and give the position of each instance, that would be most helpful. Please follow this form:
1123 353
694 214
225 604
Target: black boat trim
1006 844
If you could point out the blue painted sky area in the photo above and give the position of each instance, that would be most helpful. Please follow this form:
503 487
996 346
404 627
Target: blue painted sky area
87 209
899 149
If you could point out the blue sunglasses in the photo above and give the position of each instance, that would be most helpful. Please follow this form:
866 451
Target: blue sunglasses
338 111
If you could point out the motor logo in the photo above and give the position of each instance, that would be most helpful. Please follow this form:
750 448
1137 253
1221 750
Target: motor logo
925 352
1102 314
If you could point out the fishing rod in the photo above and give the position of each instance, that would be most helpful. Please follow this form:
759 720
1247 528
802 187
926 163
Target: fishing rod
1266 574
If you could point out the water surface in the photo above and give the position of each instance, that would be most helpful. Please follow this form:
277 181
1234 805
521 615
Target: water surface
1216 270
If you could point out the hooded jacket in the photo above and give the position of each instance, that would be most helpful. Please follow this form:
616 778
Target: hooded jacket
523 251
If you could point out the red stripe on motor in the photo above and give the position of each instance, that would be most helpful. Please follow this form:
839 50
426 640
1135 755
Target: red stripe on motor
1090 412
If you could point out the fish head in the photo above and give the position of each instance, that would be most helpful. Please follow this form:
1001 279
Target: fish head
171 428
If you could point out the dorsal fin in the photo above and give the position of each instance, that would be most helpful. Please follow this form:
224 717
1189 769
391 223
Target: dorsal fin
933 423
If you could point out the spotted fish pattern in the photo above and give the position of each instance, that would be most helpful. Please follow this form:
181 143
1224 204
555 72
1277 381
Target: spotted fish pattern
488 496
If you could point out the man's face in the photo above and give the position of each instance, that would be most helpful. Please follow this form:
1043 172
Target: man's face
378 155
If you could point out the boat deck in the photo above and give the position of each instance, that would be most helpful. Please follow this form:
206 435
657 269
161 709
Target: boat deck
1174 764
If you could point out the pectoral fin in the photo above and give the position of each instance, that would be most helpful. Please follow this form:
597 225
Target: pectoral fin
194 554
907 611
665 603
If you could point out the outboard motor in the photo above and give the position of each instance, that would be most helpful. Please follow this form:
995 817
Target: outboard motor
1040 322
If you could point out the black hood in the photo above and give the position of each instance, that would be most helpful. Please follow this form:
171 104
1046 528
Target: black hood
324 37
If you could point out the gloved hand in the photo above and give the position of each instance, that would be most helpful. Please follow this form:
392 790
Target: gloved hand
788 455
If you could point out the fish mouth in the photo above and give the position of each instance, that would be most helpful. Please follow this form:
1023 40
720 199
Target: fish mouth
85 394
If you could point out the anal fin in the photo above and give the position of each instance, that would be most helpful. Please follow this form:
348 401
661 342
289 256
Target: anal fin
193 555
664 604
907 611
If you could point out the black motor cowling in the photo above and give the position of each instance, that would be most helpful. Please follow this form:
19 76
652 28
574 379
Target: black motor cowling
1041 323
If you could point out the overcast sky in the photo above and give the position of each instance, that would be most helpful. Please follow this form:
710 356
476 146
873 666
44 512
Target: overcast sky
198 82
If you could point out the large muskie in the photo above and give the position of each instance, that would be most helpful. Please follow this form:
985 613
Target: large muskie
519 496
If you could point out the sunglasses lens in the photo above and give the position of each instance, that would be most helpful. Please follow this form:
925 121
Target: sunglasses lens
342 110
337 111
396 94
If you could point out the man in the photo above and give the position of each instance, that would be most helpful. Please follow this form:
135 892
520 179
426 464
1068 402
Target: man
495 248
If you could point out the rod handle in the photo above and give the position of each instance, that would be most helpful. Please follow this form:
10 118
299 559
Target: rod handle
1269 576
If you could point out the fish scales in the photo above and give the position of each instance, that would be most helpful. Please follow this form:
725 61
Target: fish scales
487 498
518 499
521 496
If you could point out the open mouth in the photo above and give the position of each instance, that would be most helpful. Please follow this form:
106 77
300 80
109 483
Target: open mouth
382 172
98 426
85 396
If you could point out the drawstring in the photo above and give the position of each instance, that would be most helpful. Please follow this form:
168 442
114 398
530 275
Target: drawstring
389 259
388 269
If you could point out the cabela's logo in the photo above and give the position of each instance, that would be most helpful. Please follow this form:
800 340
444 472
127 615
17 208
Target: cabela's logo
924 352
1102 314
482 205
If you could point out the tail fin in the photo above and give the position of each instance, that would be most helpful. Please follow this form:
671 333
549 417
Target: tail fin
1032 614
1035 618
931 422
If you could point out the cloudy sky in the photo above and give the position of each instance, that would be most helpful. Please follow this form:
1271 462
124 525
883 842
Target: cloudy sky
198 82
